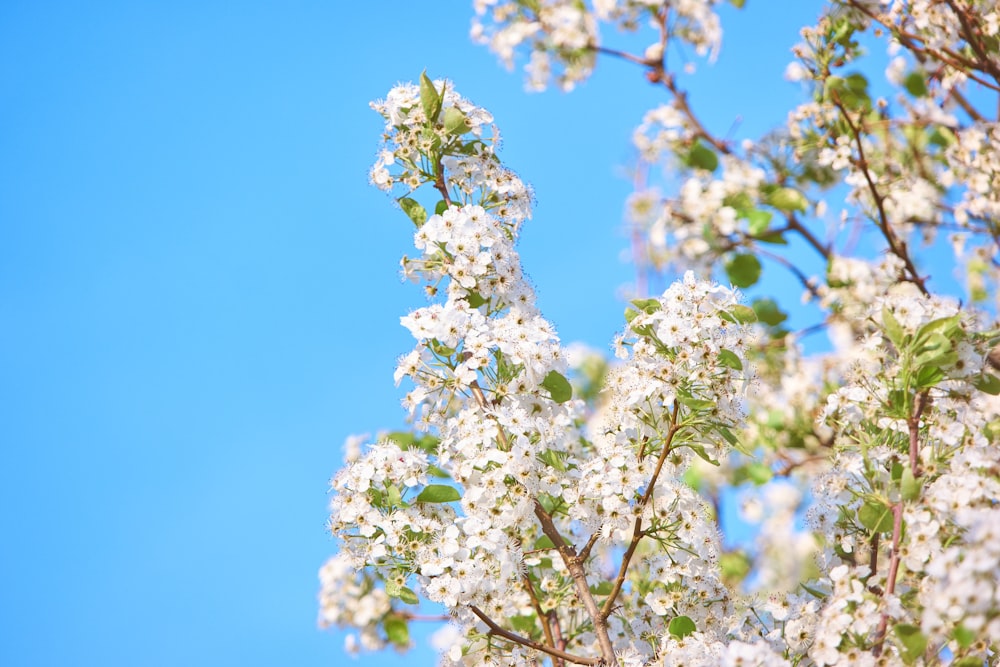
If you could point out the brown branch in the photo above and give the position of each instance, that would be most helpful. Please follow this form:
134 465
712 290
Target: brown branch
897 246
575 568
637 531
542 618
531 643
436 618
890 587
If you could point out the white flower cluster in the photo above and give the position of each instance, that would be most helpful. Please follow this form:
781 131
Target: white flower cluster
562 36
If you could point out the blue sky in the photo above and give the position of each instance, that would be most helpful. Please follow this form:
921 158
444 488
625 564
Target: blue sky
200 298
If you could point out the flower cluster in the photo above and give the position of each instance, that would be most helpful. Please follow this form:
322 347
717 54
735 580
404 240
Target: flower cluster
556 511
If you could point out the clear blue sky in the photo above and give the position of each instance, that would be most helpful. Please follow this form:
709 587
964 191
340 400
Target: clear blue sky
199 295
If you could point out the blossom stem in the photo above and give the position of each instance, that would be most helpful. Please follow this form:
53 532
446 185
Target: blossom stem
890 587
530 643
575 566
637 532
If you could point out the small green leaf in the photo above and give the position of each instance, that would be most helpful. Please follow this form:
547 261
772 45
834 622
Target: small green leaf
964 636
729 359
434 471
875 516
702 157
603 588
438 493
912 640
930 375
544 542
774 238
968 661
695 403
743 270
524 624
414 211
402 438
699 449
397 630
738 4
681 627
788 200
815 592
631 314
440 207
768 312
407 595
455 122
916 84
559 387
893 329
988 383
394 497
739 314
553 460
759 474
648 306
475 299
758 221
909 486
430 99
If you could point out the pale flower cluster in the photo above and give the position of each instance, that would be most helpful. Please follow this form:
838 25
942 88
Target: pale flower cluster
563 36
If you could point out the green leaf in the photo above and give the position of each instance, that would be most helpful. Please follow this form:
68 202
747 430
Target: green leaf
964 636
739 314
631 314
758 220
916 83
815 592
893 329
735 565
875 516
788 200
738 4
544 542
404 439
524 624
394 496
681 626
768 312
759 474
430 98
434 471
603 588
695 403
702 157
930 375
989 383
455 122
553 460
774 238
559 387
401 592
440 207
909 486
938 333
414 211
699 449
397 630
475 299
968 661
743 270
729 359
438 493
913 641
648 306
